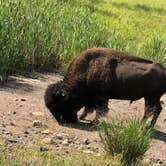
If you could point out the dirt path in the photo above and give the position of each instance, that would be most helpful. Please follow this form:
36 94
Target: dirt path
25 119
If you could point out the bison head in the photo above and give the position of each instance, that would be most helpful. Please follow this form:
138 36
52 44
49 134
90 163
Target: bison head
58 100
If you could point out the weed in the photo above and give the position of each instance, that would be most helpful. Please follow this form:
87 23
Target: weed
129 138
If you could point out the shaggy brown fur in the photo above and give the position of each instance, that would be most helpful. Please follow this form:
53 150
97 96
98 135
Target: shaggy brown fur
99 74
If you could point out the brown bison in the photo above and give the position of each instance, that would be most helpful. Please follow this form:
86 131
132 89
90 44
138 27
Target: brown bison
99 74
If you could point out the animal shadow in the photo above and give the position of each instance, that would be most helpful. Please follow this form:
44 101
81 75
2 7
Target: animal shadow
83 125
159 135
17 84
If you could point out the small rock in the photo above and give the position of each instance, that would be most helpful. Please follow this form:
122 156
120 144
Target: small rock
46 132
75 138
98 155
97 140
47 141
3 125
8 133
164 120
26 132
156 160
85 141
146 160
159 161
14 112
88 147
23 99
70 140
37 123
67 151
76 146
43 148
57 146
65 142
37 113
12 140
77 142
87 151
37 132
9 154
61 135
12 124
25 136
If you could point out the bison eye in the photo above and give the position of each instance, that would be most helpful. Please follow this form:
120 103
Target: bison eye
62 92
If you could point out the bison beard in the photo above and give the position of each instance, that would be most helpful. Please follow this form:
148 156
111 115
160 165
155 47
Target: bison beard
99 74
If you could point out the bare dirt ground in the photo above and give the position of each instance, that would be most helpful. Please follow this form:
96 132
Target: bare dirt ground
25 119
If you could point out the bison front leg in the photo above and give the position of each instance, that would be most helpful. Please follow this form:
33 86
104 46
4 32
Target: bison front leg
156 113
85 112
152 107
101 110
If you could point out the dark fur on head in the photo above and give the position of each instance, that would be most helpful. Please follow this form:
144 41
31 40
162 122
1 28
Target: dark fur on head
58 99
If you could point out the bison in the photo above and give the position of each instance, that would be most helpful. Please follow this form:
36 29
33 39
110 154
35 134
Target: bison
99 74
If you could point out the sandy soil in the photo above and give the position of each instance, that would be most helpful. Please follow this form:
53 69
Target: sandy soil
21 103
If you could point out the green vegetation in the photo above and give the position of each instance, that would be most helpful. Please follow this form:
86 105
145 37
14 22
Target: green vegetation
137 27
20 156
131 139
44 35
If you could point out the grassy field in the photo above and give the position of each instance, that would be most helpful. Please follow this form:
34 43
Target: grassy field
137 27
22 155
44 35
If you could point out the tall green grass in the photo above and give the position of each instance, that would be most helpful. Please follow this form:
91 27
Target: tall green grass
129 138
137 27
42 35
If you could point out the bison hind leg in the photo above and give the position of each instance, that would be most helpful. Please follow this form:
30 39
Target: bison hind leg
152 108
156 113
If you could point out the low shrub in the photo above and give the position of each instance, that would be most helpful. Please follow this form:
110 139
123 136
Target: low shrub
129 138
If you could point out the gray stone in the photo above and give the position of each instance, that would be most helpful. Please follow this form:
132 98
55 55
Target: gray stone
61 136
23 99
43 148
88 151
47 141
37 123
12 140
85 141
46 132
65 142
26 132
